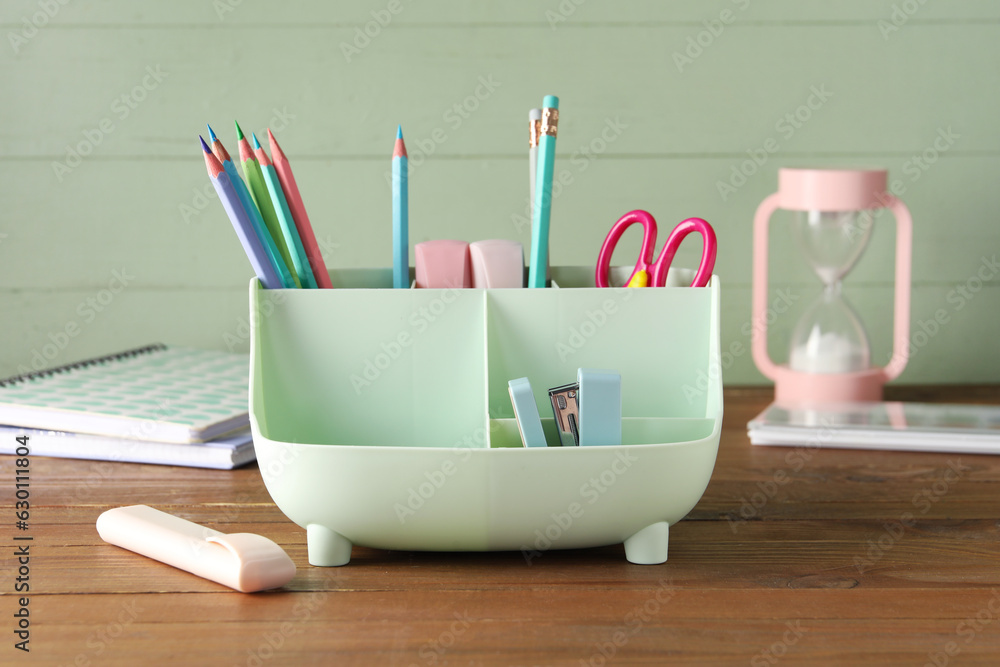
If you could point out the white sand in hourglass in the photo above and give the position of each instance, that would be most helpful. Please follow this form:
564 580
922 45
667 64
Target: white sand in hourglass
828 353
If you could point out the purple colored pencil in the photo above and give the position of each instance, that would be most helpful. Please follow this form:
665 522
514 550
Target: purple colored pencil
241 221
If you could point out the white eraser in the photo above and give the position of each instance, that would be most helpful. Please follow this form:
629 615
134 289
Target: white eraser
497 263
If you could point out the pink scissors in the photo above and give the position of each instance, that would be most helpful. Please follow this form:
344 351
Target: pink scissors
650 273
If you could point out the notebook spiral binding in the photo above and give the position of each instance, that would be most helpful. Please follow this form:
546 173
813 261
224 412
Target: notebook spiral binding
86 363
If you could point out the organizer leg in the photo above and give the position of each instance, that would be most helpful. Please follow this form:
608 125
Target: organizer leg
327 548
649 545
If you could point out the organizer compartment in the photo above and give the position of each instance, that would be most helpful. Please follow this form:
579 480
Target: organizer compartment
546 335
371 366
422 452
635 431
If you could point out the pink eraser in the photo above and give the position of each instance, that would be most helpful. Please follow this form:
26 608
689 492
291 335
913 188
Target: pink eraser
243 561
497 263
442 264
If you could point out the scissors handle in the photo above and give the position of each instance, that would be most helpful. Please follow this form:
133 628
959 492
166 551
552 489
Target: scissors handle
645 261
677 235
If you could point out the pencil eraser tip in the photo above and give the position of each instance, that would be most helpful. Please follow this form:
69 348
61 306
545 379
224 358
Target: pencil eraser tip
535 114
551 102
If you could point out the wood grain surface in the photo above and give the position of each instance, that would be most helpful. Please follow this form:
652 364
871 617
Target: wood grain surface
783 561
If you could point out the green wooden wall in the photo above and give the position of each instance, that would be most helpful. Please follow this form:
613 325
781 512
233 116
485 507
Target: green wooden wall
111 236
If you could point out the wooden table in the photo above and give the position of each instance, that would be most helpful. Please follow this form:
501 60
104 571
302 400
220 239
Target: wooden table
783 560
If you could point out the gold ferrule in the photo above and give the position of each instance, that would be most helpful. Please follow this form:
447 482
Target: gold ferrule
550 121
534 131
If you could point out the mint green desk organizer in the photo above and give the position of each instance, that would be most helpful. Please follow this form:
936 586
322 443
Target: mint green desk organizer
381 417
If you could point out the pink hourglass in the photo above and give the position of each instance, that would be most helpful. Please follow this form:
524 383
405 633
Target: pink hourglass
830 357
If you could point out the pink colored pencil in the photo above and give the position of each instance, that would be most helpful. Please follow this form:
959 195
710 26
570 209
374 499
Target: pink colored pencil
298 209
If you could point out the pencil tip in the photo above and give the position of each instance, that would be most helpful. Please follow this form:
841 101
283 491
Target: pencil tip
276 153
211 133
256 144
399 150
239 132
204 146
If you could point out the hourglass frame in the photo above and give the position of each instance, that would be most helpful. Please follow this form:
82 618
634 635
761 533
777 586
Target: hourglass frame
831 190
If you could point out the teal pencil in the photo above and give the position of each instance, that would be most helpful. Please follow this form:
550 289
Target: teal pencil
288 229
262 198
400 215
542 209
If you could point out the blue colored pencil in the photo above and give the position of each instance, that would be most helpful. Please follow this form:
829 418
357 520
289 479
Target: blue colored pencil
542 209
400 215
273 254
241 221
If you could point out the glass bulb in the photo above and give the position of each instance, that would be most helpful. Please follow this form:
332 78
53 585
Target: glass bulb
830 337
832 241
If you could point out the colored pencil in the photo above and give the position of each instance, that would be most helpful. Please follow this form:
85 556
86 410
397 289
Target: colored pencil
400 214
252 211
261 197
292 240
298 209
534 128
542 210
534 133
241 221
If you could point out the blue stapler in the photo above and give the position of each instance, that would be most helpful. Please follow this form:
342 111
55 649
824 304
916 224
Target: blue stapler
589 411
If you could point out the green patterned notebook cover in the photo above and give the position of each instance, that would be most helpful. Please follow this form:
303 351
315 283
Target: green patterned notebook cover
169 394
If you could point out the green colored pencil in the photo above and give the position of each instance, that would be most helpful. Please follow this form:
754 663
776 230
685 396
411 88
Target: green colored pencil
261 197
288 229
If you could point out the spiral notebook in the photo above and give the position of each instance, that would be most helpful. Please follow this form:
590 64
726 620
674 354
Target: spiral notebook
153 393
223 453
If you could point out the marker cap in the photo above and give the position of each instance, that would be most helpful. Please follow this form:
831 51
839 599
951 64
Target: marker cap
243 561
